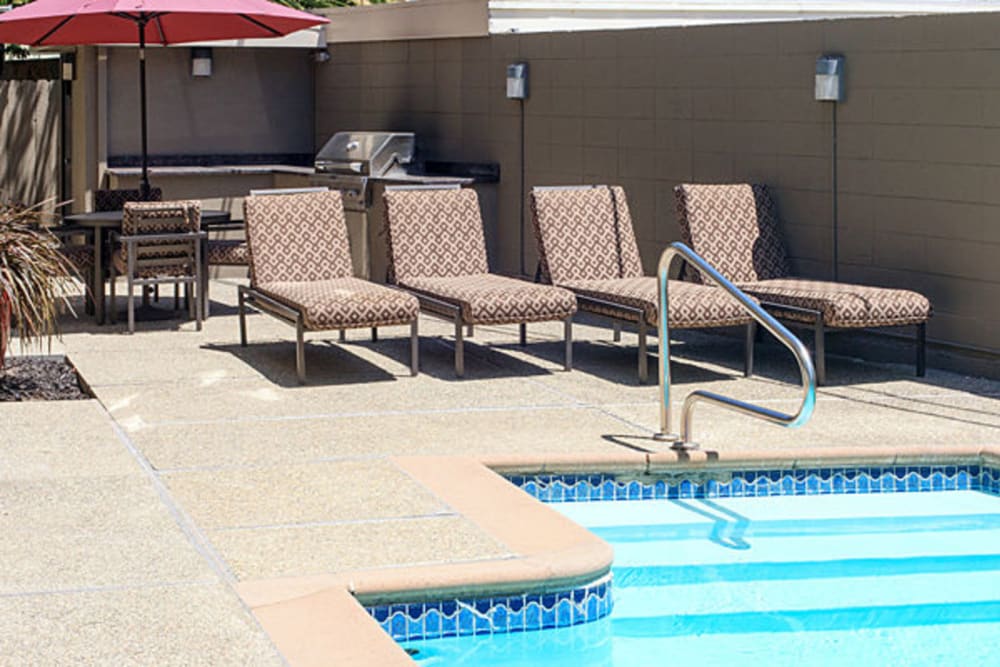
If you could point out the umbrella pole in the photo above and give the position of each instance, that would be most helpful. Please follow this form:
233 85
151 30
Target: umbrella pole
144 189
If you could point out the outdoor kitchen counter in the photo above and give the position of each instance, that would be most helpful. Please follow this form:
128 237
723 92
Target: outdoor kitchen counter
214 170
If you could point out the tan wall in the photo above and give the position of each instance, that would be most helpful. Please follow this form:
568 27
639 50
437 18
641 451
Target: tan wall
29 130
256 101
919 135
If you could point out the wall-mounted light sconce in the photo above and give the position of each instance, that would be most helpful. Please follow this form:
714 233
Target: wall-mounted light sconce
67 66
830 78
321 56
201 61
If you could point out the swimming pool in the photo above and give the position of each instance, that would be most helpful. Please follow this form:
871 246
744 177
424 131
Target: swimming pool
787 567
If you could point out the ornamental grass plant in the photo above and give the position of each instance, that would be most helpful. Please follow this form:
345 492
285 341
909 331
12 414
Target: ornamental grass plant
33 271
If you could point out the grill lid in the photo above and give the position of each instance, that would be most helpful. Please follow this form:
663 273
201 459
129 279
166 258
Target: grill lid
365 153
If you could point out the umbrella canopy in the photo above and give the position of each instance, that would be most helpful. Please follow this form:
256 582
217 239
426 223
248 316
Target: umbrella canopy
79 22
72 22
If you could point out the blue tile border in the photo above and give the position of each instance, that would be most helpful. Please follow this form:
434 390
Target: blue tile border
750 483
477 616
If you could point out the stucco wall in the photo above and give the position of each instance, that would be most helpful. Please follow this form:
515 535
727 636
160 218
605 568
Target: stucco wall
256 101
919 135
29 132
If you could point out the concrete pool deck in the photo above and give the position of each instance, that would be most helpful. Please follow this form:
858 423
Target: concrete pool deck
204 484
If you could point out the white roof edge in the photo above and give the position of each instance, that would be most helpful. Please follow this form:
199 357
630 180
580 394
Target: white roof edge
568 15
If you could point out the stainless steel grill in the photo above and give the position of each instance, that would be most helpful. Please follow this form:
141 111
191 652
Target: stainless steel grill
349 160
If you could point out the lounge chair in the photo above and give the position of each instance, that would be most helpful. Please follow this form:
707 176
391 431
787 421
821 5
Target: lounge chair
586 244
735 228
301 273
437 251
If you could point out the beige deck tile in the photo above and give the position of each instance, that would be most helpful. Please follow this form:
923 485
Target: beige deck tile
138 406
284 552
116 531
183 625
52 439
501 431
320 492
167 365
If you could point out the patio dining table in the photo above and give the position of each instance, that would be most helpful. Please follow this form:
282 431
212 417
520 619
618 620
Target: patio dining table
105 221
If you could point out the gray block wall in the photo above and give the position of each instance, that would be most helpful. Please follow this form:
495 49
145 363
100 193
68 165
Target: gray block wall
919 135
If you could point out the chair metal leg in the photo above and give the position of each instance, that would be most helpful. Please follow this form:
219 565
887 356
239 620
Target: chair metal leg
459 348
470 331
819 354
643 355
243 317
921 344
131 295
112 307
300 348
343 335
748 347
131 306
616 331
414 348
568 336
374 334
523 333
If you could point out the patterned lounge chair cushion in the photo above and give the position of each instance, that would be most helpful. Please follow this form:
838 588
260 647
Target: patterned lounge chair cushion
691 305
487 298
842 304
584 234
345 302
297 237
228 252
434 233
735 228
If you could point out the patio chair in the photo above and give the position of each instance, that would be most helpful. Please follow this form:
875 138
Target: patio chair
735 228
586 244
437 250
160 242
301 273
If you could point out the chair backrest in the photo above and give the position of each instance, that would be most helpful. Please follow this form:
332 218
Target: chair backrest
434 232
734 228
115 200
584 233
169 217
297 237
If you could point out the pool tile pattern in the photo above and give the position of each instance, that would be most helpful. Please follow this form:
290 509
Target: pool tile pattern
518 613
748 483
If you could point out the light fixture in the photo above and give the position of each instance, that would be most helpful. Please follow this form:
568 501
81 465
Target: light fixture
201 61
321 56
68 63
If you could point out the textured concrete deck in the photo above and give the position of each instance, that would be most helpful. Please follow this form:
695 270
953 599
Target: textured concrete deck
132 522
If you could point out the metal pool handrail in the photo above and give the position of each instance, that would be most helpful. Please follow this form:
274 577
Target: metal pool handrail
778 330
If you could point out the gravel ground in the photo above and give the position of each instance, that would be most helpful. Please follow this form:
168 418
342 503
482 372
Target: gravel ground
28 379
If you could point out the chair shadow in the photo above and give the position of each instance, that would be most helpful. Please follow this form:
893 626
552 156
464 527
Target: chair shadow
327 364
482 361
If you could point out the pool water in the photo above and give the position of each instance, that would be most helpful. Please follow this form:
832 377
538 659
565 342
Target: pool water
899 579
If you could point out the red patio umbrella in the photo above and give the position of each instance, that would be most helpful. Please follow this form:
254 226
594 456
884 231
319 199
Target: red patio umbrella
80 22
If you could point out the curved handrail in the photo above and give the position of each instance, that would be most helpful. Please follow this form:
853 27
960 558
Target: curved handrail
777 329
